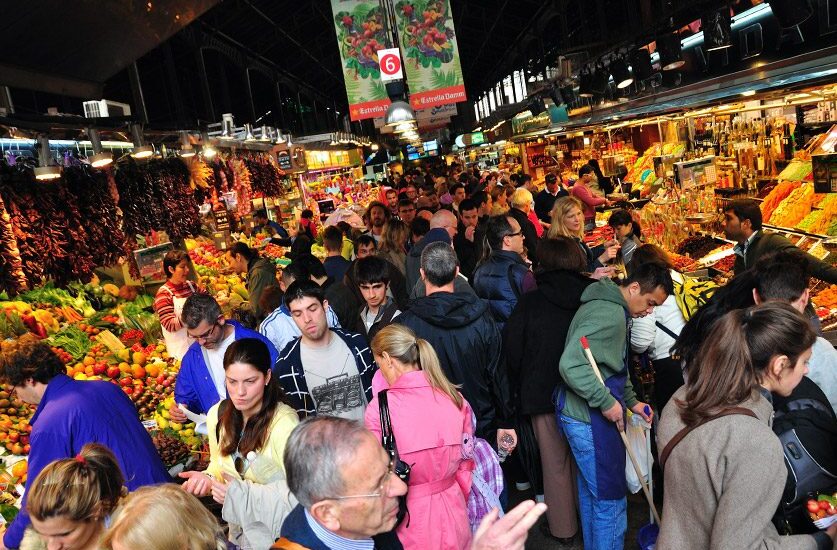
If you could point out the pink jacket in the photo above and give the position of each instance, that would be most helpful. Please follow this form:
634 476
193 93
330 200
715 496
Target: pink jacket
428 430
590 199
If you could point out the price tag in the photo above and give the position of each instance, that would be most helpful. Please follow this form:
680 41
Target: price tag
390 64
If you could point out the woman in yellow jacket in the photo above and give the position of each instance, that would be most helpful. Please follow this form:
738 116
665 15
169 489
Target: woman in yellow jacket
247 436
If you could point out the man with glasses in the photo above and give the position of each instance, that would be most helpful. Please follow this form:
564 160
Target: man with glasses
504 276
406 210
348 495
200 381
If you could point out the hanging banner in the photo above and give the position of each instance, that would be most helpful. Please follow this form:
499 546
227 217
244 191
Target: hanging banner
360 34
431 57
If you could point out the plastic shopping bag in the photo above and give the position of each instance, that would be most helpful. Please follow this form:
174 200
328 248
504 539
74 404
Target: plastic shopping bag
636 430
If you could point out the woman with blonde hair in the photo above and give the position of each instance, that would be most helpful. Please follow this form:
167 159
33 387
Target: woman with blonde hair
393 244
71 500
568 221
430 419
499 200
163 517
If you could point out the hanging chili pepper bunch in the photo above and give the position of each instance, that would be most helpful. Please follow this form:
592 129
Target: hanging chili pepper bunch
141 212
242 186
47 226
12 278
265 177
179 216
91 189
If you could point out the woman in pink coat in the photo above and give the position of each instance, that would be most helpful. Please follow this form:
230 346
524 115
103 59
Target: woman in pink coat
429 419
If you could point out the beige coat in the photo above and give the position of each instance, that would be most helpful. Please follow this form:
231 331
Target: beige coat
724 482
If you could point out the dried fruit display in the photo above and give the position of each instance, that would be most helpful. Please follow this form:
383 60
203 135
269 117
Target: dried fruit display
697 246
779 193
92 190
795 207
11 268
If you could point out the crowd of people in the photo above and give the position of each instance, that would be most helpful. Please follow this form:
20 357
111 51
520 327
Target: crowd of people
381 397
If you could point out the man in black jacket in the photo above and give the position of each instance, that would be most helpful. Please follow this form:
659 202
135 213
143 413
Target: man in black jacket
461 329
743 224
547 197
521 204
465 243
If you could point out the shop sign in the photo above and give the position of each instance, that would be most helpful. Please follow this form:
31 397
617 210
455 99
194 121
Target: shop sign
389 61
283 157
359 25
430 53
439 111
150 262
222 221
474 138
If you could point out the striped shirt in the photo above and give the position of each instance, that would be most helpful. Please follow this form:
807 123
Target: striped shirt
336 542
164 303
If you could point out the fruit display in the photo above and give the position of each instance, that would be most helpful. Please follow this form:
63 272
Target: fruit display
184 432
681 263
14 422
795 207
697 246
725 265
171 449
822 507
776 196
827 298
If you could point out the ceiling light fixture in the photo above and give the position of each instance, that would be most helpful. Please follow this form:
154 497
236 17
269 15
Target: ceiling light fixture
621 73
46 170
289 142
100 158
671 54
248 132
207 150
186 149
748 93
266 132
280 139
140 150
398 112
227 126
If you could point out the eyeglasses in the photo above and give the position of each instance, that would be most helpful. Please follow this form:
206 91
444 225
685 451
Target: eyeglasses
206 334
515 234
382 490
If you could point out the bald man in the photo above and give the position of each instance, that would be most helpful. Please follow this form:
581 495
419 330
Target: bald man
443 228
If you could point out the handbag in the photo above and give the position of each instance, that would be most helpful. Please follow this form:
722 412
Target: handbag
399 467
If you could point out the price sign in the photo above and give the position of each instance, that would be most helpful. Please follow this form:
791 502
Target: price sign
390 63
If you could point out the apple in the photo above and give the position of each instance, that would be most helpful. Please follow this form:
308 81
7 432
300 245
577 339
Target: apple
113 371
100 368
128 390
126 382
14 437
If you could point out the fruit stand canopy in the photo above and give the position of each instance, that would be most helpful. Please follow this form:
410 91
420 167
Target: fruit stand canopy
72 48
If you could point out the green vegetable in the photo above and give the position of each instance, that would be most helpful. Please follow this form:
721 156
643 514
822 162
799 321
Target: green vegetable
144 301
8 512
73 341
48 294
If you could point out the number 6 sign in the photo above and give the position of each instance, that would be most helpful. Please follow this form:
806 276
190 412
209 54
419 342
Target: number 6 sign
389 61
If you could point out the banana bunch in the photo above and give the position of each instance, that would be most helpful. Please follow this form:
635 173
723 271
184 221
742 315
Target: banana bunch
200 173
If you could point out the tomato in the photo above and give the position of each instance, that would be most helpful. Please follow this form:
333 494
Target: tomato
813 506
824 504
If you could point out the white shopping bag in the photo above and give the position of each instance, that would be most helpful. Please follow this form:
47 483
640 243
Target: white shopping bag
636 430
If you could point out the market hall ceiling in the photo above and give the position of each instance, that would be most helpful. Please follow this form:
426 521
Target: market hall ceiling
73 47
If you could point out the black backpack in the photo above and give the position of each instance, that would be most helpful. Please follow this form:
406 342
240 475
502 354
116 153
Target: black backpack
807 427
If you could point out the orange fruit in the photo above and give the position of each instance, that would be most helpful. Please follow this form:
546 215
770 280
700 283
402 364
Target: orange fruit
137 371
153 369
124 367
20 468
89 360
139 358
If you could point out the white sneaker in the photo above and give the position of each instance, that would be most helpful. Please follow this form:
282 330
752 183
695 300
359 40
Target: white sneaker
525 486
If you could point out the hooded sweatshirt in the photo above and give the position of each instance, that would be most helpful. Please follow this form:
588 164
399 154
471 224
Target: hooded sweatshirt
461 329
534 336
602 319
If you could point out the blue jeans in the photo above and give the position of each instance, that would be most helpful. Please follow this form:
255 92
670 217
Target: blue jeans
603 522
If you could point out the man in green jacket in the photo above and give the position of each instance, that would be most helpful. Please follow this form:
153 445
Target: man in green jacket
261 273
590 413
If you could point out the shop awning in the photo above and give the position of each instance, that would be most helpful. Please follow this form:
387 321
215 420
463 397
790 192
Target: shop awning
72 48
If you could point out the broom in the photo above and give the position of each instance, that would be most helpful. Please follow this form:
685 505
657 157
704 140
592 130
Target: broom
592 360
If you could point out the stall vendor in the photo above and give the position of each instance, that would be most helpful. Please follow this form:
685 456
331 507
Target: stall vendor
168 303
